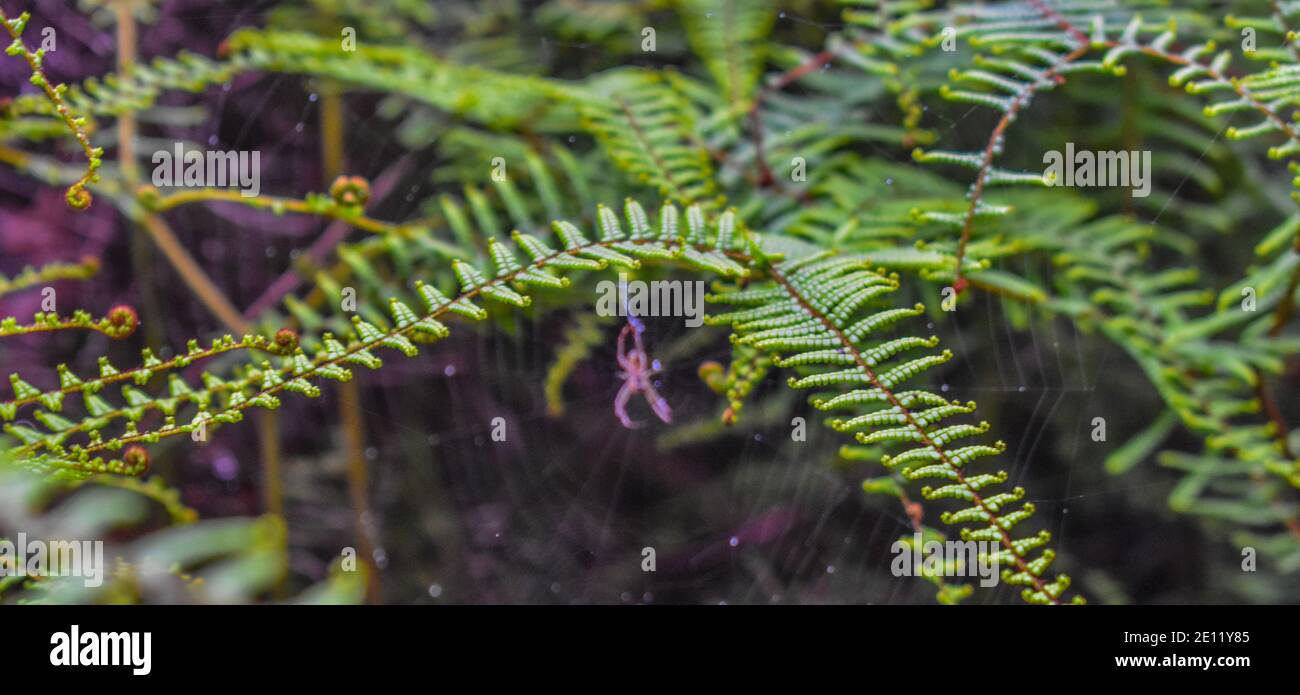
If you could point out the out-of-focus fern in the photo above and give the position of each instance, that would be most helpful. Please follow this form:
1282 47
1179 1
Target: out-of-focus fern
606 22
78 197
883 33
489 96
746 370
728 35
52 272
646 127
234 560
579 339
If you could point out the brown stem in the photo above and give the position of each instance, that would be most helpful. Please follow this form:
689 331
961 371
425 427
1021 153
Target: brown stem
765 177
126 55
268 430
354 450
354 434
990 149
1275 415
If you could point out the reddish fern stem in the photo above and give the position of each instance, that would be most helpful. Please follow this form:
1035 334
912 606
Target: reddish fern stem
990 152
785 79
1018 103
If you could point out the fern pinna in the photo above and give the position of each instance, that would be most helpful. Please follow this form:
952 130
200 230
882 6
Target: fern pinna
821 313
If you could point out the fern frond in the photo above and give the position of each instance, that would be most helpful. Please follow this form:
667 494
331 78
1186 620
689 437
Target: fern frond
151 367
154 488
1280 25
579 339
495 98
728 36
747 368
1207 378
77 196
498 99
1203 69
693 242
603 21
828 330
119 322
53 272
884 32
1008 86
377 268
117 94
1212 487
647 129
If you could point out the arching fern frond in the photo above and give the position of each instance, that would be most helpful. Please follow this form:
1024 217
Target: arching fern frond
815 313
151 367
376 268
1038 55
688 239
1203 69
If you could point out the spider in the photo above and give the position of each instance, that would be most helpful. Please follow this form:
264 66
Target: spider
637 375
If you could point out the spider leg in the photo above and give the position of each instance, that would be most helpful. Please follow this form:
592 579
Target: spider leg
620 405
622 347
640 346
657 403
